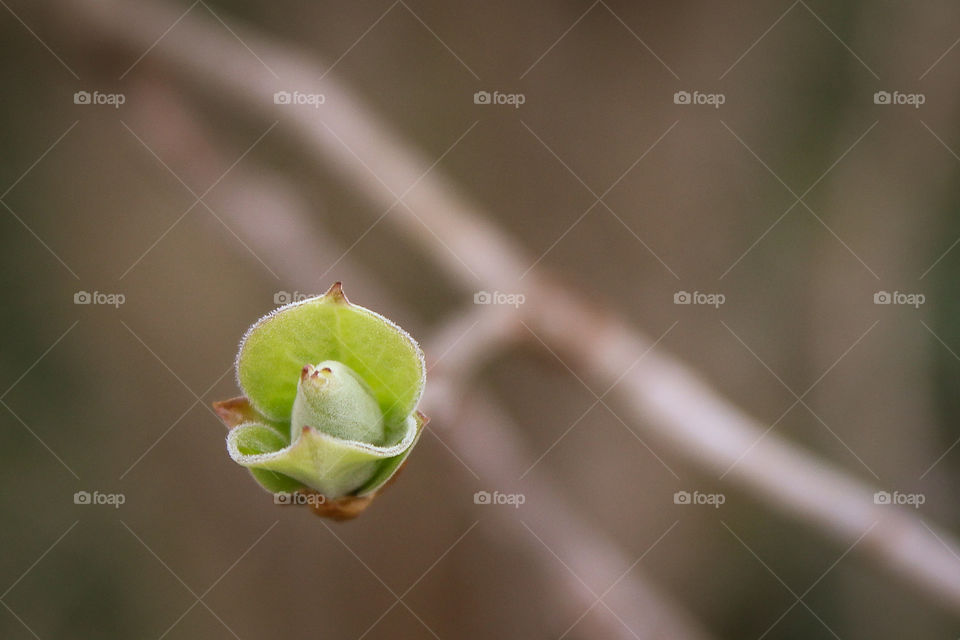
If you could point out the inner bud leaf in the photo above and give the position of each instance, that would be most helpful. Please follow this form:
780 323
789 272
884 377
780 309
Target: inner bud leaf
333 399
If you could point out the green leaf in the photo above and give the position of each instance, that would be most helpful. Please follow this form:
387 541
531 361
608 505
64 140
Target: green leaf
255 439
332 466
335 400
328 327
390 466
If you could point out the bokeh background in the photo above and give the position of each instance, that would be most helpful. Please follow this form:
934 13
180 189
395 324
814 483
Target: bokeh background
115 399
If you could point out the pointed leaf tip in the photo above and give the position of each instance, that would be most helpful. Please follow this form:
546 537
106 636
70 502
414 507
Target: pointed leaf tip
335 293
235 411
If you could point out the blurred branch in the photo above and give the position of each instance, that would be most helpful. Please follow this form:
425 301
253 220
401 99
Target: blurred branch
267 209
664 396
580 552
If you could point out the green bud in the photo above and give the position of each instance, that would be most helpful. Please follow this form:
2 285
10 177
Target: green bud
333 399
342 427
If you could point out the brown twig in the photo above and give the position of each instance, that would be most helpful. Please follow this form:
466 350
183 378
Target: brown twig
665 397
269 212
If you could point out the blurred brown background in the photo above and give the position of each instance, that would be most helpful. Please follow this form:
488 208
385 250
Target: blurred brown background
95 200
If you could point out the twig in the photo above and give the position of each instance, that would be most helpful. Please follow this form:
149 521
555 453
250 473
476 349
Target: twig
580 553
269 212
665 397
